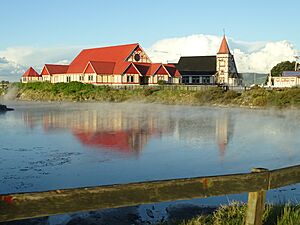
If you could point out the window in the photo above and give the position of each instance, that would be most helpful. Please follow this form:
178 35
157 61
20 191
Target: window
68 79
185 80
90 78
195 79
81 78
206 80
160 77
24 78
130 79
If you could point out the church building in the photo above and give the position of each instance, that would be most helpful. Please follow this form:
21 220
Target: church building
210 70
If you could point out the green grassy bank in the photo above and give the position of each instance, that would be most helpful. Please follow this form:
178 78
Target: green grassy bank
235 214
74 91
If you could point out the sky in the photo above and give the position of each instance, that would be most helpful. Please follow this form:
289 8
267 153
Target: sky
260 33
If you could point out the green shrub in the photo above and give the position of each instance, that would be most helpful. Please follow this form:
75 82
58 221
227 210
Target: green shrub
150 91
210 95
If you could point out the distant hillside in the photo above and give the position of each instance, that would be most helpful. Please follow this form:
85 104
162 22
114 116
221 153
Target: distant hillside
254 78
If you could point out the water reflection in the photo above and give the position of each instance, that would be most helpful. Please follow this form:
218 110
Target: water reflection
129 132
75 145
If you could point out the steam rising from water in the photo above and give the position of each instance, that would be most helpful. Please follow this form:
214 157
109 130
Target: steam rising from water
11 94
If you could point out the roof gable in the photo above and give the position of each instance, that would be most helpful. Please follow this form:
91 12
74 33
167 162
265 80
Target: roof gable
89 68
144 68
162 71
112 54
132 69
45 71
31 73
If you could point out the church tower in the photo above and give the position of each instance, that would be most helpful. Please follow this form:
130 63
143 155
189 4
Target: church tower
226 68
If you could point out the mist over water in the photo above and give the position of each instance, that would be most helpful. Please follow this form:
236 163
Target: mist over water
54 146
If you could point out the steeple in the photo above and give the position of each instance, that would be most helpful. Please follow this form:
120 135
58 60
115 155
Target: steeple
224 49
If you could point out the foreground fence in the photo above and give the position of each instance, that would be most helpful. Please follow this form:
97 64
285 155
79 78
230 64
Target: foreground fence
256 183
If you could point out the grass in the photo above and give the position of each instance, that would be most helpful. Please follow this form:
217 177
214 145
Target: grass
235 214
75 91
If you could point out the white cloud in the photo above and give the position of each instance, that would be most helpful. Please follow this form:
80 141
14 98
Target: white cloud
257 57
15 61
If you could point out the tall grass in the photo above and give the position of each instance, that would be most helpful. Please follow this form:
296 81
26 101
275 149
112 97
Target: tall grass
75 91
235 214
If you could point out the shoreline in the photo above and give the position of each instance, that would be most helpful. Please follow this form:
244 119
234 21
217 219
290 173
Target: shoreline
256 98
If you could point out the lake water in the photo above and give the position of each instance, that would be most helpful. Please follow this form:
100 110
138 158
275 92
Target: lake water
55 146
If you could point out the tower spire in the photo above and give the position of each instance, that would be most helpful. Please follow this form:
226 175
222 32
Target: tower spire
224 49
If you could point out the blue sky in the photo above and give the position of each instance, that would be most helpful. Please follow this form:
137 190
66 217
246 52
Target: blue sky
66 23
74 22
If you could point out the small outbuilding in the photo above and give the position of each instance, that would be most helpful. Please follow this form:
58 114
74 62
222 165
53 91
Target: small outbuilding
288 79
31 76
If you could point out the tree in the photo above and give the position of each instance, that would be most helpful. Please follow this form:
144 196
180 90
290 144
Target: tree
283 66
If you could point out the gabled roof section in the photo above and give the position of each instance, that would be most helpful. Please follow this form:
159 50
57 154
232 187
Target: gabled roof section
150 69
224 49
31 73
109 54
99 67
197 64
45 71
50 69
132 69
144 68
154 67
172 70
162 71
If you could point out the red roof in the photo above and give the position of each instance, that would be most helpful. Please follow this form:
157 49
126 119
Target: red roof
120 67
100 67
31 73
50 69
113 53
224 49
110 60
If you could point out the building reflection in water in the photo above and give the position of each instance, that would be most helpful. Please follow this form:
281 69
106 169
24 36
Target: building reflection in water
117 130
224 132
207 129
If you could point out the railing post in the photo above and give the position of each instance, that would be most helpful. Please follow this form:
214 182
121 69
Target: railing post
256 203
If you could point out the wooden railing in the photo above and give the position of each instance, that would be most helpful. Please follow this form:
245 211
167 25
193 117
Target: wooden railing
38 204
